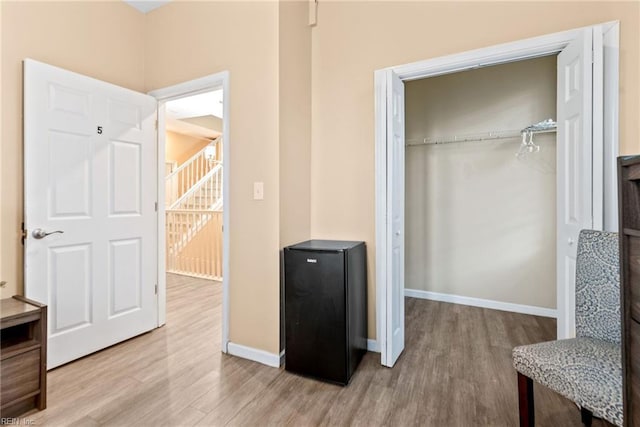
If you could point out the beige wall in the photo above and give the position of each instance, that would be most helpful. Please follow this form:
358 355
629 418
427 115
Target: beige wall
353 39
99 39
295 122
180 147
241 37
295 128
3 234
480 222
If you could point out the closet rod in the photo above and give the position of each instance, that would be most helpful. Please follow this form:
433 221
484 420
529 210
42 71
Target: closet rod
486 136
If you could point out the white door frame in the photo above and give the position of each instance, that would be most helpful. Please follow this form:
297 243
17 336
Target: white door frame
493 55
182 90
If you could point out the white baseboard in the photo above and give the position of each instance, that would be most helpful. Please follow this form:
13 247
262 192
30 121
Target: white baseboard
260 356
479 302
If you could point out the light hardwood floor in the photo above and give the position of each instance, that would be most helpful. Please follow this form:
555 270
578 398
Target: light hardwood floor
456 371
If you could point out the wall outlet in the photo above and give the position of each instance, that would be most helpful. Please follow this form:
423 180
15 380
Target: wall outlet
258 191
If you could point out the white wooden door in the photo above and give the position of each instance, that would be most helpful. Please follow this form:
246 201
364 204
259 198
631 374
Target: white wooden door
90 172
395 220
574 170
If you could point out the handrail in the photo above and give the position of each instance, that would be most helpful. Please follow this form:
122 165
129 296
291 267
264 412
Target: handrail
192 159
180 181
197 186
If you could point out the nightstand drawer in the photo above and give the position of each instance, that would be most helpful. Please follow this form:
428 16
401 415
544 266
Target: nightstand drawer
20 375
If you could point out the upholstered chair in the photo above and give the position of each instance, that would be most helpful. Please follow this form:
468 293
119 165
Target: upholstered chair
586 369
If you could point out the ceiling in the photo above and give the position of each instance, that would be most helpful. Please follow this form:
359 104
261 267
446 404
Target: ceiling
202 104
146 6
197 115
186 128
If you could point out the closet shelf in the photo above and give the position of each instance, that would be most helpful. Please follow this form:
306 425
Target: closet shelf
546 126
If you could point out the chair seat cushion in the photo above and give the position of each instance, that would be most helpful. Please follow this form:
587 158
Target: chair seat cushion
585 370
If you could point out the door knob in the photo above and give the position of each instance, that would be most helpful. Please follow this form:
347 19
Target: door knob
39 233
570 241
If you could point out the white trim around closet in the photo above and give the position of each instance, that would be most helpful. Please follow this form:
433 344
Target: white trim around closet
493 55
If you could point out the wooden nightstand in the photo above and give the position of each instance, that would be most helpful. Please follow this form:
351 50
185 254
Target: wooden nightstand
23 356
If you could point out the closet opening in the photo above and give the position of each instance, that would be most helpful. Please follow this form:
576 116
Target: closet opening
480 187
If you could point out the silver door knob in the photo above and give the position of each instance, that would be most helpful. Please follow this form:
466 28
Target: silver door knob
570 241
39 233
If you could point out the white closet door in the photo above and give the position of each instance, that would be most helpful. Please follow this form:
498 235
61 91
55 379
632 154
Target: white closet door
395 220
90 178
574 192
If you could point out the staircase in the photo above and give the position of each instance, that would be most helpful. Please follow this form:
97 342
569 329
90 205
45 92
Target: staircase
194 217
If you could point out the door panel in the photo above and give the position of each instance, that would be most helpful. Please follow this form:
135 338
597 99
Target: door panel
574 172
91 173
125 177
70 175
125 286
70 294
395 220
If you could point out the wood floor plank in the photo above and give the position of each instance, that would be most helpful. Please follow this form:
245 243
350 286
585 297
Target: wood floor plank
84 422
62 409
236 374
237 400
456 370
186 417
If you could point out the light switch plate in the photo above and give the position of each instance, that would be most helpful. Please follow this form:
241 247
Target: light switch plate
258 191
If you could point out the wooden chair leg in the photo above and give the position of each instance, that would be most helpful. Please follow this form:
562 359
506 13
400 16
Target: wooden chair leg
525 401
587 416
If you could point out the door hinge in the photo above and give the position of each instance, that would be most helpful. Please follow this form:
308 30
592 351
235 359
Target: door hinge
156 206
156 124
156 289
24 233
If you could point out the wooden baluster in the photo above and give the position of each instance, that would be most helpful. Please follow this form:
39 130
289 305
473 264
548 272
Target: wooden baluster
182 181
207 247
198 168
192 222
168 239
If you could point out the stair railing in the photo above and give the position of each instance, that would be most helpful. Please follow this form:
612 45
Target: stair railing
194 243
188 174
206 194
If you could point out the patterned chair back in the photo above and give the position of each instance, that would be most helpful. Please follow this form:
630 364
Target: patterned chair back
598 286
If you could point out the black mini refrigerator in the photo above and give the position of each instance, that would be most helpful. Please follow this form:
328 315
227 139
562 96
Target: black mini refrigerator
325 308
